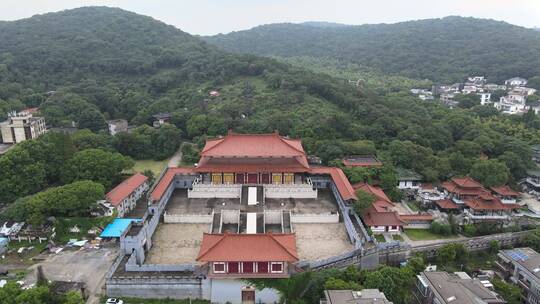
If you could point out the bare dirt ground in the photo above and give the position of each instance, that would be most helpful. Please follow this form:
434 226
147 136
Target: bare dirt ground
321 241
87 265
176 243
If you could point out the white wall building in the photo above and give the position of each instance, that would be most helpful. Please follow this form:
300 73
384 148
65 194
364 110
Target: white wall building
20 127
516 82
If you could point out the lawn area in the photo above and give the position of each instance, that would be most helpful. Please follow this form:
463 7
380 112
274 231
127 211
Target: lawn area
379 238
398 237
425 235
84 223
413 205
149 164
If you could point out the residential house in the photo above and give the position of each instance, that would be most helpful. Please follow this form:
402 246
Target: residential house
469 89
124 197
513 103
365 161
485 98
383 216
516 82
477 203
117 126
524 90
439 287
492 87
160 119
365 296
521 266
20 127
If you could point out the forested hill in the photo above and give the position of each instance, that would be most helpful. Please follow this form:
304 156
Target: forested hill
109 63
446 49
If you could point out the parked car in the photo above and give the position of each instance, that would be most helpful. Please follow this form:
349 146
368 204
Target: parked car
114 301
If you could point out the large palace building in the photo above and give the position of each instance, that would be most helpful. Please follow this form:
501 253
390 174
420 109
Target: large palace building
252 207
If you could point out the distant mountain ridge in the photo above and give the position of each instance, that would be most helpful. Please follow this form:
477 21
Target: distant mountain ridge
446 49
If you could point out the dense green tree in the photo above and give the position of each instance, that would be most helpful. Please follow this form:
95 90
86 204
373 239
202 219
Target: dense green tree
490 172
76 199
509 292
364 201
395 283
96 165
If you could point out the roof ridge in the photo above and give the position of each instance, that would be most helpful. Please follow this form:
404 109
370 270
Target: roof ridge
288 144
281 245
213 246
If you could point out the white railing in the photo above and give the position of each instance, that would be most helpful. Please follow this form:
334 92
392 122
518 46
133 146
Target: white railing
485 217
304 190
458 201
508 201
431 196
214 190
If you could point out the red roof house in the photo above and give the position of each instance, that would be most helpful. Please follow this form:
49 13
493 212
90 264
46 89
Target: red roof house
124 196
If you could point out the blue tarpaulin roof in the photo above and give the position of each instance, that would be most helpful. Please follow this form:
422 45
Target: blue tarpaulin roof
117 227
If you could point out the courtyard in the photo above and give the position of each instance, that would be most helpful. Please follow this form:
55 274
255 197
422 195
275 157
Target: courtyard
321 241
176 243
179 203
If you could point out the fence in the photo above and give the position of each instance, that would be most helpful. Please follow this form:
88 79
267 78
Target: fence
212 191
290 191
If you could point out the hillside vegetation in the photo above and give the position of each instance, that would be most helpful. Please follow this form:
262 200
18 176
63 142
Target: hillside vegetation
86 65
442 50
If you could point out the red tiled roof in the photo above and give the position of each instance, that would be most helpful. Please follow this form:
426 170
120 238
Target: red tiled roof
376 191
166 180
253 145
452 187
447 204
125 188
383 206
248 247
259 152
342 182
416 217
466 182
504 191
373 218
481 204
243 168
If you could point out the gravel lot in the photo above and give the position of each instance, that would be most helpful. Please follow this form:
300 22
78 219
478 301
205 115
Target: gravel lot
87 265
320 241
176 243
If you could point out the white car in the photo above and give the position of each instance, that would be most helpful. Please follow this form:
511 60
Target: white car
114 301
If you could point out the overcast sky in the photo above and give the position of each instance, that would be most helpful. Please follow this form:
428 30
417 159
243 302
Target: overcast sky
205 17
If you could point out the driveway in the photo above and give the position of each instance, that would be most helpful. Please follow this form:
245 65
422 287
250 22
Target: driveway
176 159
